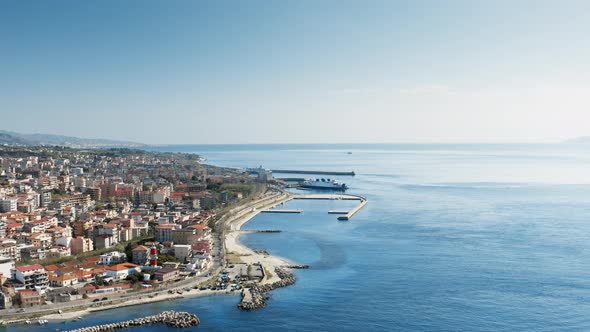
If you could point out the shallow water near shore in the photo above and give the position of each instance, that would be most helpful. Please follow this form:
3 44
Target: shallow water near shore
455 237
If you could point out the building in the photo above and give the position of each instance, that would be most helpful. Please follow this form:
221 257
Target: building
8 204
164 232
32 276
62 280
7 268
5 300
185 236
121 271
182 252
140 255
113 257
81 244
30 298
166 274
94 192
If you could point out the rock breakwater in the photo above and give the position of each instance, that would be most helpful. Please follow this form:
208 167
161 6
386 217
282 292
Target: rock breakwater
255 297
170 318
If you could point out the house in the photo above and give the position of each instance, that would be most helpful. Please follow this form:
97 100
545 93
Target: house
60 295
140 255
113 257
5 300
62 280
30 298
32 276
166 274
121 271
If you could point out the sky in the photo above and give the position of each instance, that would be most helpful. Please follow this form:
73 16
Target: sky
296 71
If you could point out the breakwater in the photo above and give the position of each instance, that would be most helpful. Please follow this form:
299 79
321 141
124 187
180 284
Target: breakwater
291 171
281 211
170 318
255 297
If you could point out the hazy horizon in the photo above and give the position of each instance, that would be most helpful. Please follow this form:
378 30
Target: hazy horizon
296 72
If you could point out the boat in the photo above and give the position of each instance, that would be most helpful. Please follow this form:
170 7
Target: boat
328 184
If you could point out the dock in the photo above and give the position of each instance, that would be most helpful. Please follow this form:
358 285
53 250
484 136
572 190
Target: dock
352 212
281 211
346 215
328 197
290 171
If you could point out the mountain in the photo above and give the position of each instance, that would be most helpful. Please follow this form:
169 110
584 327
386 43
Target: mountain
8 137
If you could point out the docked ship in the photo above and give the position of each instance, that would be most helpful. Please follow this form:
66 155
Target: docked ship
324 184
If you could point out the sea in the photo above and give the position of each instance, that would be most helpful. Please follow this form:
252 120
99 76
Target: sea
455 237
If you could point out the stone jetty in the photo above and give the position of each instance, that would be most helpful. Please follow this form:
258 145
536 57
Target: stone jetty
170 318
255 297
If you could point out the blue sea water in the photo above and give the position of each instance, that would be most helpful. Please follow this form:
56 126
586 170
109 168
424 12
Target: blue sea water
454 238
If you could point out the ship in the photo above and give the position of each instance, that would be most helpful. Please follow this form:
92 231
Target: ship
324 184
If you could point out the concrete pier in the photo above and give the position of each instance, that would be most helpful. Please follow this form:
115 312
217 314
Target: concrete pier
352 212
281 211
337 212
290 171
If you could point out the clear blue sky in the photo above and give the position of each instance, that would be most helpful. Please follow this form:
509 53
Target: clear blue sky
296 71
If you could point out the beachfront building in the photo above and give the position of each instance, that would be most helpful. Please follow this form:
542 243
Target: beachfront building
5 300
32 276
30 298
121 271
166 274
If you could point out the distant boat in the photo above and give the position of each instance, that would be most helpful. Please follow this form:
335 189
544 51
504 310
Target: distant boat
349 152
324 184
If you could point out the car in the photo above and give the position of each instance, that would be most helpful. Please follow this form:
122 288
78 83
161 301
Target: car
104 299
96 300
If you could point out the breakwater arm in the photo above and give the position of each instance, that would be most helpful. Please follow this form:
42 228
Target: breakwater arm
170 318
291 171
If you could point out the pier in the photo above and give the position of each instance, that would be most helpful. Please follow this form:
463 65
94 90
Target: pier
281 211
290 171
337 212
352 212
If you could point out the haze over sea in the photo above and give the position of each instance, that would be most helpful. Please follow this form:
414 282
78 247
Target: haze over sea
454 238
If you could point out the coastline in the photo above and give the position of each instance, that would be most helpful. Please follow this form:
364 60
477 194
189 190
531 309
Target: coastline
231 231
231 241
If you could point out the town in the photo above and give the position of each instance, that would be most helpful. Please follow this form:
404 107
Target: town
91 224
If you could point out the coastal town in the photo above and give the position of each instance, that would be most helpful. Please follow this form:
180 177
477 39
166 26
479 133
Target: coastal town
86 227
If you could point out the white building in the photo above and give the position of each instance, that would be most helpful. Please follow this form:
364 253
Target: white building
182 252
121 271
113 257
6 267
8 204
77 171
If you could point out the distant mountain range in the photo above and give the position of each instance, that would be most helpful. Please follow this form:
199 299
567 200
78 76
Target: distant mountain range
12 138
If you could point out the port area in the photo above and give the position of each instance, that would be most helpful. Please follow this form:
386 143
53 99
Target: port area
346 215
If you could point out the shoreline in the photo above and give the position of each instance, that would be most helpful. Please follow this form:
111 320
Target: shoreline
232 236
231 231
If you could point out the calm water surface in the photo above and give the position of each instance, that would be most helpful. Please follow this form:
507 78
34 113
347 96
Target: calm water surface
455 238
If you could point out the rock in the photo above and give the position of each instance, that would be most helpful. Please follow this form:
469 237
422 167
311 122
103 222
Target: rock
170 318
